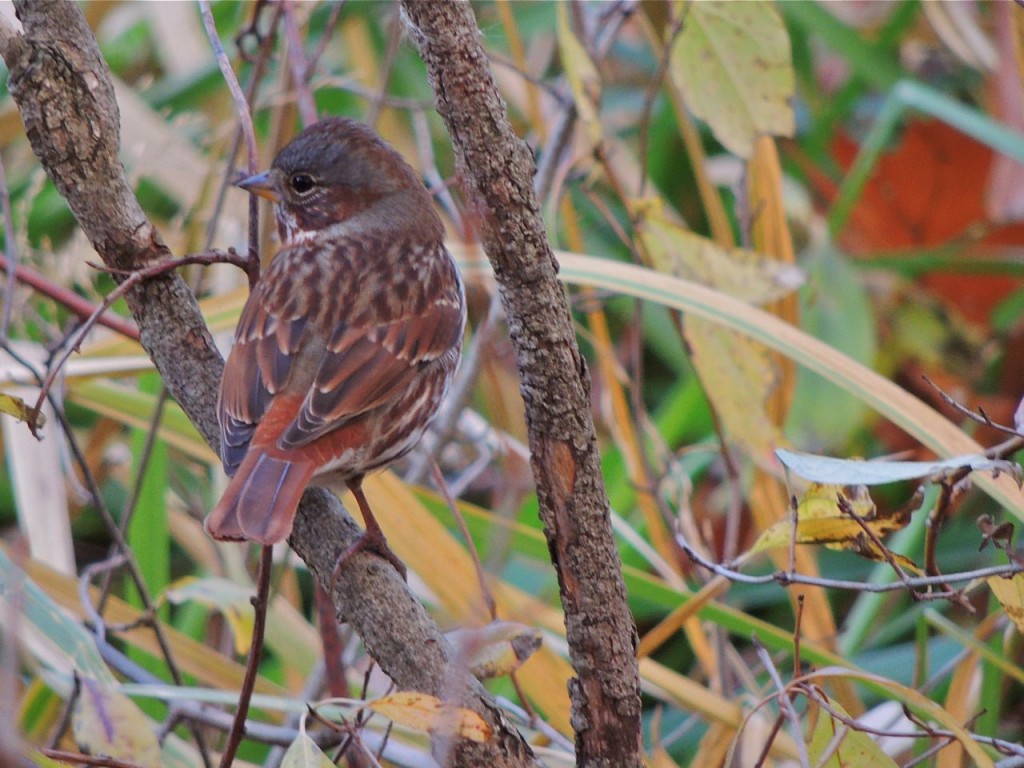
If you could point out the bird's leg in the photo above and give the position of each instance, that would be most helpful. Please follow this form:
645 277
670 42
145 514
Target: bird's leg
372 539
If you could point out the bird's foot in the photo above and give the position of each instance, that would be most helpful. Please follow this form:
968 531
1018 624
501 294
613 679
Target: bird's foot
368 542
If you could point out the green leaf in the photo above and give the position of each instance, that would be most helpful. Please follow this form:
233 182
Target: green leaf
65 638
732 64
844 319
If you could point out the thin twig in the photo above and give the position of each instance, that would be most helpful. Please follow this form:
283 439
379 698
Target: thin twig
80 759
785 579
979 416
652 92
72 344
784 701
143 466
252 29
325 39
847 509
259 65
433 178
951 490
10 251
299 65
252 664
67 713
252 267
460 521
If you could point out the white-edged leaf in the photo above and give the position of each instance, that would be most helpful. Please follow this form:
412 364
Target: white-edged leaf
827 469
304 753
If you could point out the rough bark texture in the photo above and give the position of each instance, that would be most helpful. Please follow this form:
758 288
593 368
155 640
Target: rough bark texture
497 169
64 92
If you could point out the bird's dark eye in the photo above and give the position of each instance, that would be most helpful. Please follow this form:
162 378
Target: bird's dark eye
302 182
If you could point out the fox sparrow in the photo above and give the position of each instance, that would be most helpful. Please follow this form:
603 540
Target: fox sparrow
349 340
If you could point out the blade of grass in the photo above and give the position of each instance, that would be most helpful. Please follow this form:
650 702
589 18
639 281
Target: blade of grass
919 420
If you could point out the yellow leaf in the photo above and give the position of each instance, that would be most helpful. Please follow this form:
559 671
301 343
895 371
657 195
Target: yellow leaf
822 519
855 749
584 79
1010 594
427 713
16 407
821 500
232 600
739 376
740 272
732 64
107 723
497 649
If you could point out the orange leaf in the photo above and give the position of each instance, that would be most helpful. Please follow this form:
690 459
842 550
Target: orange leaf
931 190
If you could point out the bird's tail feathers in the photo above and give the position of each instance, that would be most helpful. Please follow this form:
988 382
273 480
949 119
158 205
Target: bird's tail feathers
261 500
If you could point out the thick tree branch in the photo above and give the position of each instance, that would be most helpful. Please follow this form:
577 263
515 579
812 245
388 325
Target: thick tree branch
63 89
497 169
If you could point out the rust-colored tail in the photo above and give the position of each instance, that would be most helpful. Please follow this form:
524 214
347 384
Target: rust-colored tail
261 500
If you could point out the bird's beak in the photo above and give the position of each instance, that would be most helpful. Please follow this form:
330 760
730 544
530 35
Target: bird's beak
261 184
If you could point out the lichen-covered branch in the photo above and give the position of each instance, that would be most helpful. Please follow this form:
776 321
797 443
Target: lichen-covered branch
63 89
497 169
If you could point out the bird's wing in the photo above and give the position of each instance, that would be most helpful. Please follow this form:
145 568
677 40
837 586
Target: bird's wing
317 335
378 348
267 339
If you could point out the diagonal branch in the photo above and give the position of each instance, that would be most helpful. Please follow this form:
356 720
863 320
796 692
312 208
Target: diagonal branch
63 89
497 170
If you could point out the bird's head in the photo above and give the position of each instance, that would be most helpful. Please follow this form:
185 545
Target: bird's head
339 177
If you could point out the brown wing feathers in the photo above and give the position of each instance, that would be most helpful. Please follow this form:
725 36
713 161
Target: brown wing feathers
360 369
350 339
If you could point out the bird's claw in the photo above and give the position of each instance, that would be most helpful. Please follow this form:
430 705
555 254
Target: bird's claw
378 545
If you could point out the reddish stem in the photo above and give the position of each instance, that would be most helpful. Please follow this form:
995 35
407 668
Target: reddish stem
76 304
259 605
